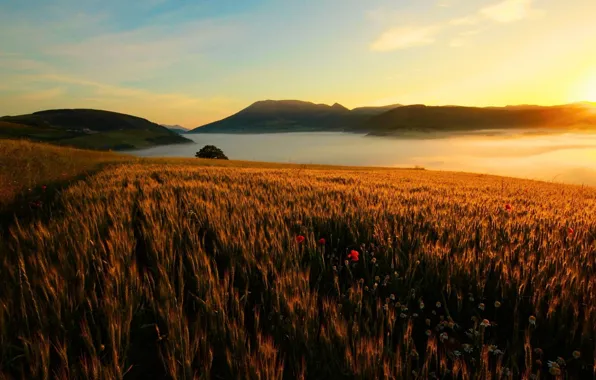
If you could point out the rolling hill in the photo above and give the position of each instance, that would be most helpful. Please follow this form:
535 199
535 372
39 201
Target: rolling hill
275 116
87 128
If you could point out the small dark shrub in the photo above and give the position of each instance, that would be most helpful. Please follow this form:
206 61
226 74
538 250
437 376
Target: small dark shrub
211 151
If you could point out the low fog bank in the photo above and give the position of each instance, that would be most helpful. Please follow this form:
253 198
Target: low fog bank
546 154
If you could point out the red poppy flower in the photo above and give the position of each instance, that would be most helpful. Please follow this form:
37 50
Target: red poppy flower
300 239
322 241
508 207
354 255
44 187
570 231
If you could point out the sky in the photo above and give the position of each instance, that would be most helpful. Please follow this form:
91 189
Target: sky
190 62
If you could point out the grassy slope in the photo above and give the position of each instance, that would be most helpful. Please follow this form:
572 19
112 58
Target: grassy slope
110 130
15 131
26 166
173 268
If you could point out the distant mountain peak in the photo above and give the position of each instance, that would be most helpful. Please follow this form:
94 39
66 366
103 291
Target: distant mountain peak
290 105
288 102
338 106
270 105
294 103
173 126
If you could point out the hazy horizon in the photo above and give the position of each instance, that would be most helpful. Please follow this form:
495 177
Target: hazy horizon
563 156
193 63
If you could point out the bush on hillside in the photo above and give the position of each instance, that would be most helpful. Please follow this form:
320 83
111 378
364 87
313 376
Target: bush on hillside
211 151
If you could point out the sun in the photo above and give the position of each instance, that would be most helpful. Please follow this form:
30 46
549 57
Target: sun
586 89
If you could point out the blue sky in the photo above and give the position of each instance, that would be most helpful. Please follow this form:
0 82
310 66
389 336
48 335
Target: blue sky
191 62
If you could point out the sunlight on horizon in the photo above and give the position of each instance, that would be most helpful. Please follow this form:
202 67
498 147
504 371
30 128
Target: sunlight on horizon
586 89
190 63
569 157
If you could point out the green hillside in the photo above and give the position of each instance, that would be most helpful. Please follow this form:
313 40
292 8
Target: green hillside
90 129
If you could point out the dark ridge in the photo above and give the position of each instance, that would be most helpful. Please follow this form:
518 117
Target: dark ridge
88 128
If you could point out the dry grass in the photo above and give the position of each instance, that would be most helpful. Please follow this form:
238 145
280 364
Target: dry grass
28 169
26 166
181 271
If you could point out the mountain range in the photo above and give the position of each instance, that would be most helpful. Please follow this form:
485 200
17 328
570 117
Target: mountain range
175 128
277 116
105 130
292 116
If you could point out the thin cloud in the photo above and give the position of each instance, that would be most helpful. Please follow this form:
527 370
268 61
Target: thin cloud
456 42
467 20
413 36
405 37
15 62
508 10
48 94
470 32
102 89
140 53
190 111
446 3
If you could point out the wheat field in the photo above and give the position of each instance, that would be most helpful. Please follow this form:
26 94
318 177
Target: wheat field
171 270
25 166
